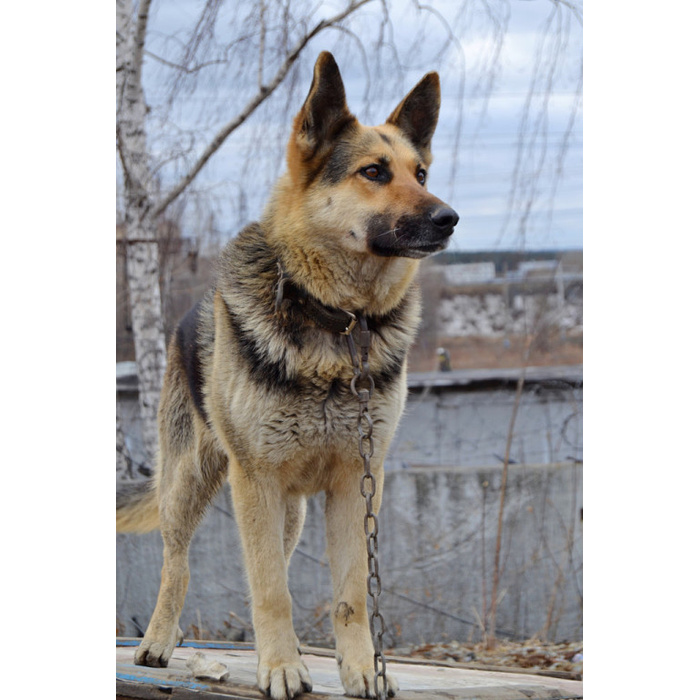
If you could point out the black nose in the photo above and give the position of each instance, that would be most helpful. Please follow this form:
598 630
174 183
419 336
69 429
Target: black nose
444 217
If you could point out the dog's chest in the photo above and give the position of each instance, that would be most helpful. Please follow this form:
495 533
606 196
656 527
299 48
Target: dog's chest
311 425
316 417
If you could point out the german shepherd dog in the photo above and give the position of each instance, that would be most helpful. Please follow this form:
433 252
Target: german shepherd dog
257 385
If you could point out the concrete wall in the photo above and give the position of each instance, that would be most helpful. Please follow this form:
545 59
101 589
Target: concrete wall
456 427
437 532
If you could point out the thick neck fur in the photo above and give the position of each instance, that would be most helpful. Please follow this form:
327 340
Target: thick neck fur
333 273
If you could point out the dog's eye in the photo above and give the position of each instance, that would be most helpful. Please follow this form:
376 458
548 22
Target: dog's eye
377 172
421 176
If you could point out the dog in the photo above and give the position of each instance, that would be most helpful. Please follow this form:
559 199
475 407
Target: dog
257 384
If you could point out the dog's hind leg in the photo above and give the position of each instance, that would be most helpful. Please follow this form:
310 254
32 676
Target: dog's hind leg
186 487
269 523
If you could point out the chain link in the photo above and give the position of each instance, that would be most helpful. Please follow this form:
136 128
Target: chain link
362 388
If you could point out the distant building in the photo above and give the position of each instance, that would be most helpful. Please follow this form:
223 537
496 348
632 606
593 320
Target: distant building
469 273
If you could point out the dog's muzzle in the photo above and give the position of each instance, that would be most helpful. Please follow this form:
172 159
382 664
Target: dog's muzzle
414 235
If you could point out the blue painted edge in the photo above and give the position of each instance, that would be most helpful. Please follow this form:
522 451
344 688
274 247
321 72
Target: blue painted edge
161 682
193 644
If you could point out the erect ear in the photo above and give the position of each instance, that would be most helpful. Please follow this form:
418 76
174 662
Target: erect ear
325 112
417 114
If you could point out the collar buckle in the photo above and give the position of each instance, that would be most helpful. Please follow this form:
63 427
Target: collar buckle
351 324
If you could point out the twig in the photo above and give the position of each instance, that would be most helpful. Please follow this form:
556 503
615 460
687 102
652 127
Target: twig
244 625
504 480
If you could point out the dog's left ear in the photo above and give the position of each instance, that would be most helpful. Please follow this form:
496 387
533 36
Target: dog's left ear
325 112
417 114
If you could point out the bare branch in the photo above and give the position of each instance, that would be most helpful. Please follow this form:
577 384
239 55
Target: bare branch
524 186
504 481
564 146
200 36
263 93
261 53
575 9
185 69
122 156
490 69
452 39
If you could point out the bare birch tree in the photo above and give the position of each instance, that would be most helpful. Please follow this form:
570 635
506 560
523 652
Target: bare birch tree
139 216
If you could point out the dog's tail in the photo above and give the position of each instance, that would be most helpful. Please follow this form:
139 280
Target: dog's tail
137 507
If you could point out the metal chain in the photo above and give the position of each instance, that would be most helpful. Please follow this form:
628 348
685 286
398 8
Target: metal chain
362 387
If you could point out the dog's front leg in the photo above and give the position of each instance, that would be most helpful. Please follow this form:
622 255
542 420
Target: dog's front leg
347 553
260 513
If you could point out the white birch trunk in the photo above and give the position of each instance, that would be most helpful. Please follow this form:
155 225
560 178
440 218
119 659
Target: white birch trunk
141 240
124 464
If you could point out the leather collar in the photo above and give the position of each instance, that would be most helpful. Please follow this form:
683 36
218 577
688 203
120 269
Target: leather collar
325 317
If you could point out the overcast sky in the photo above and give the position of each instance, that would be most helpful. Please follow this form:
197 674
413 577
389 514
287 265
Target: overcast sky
472 171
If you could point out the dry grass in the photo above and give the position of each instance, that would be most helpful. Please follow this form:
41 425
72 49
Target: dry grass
562 660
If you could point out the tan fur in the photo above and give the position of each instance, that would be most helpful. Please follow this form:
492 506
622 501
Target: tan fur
261 393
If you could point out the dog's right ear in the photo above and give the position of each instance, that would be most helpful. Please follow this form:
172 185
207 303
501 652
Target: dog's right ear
325 112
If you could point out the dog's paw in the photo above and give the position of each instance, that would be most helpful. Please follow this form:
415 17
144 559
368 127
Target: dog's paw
154 653
285 681
359 682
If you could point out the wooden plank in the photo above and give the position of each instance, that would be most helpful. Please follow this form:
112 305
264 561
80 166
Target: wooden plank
418 681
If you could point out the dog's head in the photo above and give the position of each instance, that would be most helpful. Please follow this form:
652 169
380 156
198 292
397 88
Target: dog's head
366 186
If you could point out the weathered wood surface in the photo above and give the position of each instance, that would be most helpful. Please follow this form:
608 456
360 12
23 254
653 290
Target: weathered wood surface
417 681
